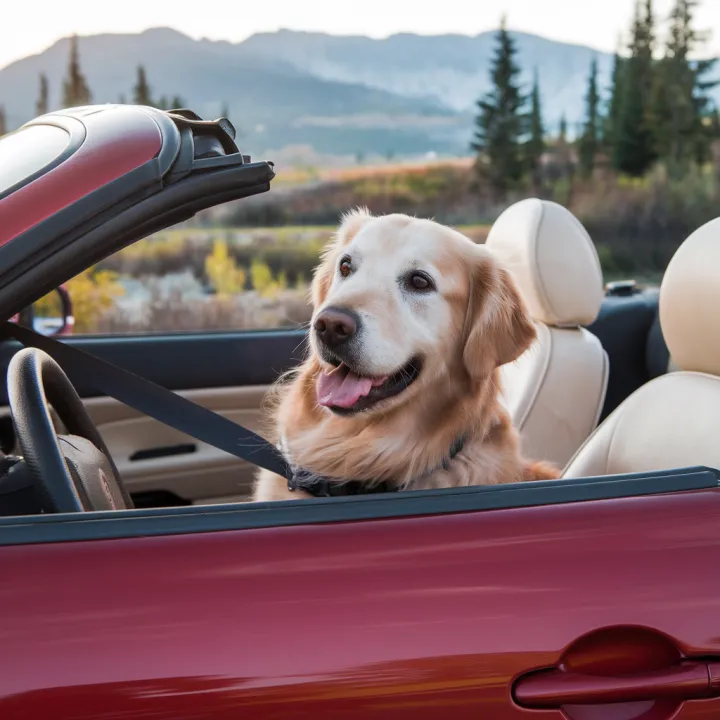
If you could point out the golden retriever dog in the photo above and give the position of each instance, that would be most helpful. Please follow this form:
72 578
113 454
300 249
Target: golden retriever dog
411 321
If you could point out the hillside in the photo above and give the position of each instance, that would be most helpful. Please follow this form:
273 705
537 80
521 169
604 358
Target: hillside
404 95
453 69
273 103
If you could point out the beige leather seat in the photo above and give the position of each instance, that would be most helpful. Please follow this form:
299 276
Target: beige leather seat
555 391
674 420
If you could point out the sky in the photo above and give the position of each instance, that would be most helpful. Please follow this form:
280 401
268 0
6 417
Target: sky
30 26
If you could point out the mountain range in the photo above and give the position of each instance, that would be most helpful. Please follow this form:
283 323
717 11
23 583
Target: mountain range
403 95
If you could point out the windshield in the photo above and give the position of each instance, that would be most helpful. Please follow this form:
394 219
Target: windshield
25 152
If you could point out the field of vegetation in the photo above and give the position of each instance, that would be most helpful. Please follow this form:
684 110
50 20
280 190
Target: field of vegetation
249 264
636 223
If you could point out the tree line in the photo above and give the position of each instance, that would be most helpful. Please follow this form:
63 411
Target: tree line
76 91
656 110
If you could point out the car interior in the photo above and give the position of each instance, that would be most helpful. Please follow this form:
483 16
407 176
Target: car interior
599 348
589 341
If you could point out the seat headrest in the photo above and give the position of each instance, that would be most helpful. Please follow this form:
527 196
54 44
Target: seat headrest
553 260
690 302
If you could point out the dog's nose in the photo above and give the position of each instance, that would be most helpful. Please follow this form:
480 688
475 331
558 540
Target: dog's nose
334 326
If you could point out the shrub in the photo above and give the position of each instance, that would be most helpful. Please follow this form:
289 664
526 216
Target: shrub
174 313
222 271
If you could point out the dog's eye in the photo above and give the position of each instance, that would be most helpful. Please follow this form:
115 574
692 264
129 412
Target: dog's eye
345 266
419 281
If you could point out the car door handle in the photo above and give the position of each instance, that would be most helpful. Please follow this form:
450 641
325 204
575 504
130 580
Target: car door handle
163 452
554 688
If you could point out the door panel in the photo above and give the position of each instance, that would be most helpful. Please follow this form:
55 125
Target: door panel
399 619
201 474
191 470
227 372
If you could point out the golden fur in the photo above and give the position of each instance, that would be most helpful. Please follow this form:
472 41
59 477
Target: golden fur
474 323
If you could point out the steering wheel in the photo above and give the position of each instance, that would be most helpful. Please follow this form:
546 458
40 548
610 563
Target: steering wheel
74 472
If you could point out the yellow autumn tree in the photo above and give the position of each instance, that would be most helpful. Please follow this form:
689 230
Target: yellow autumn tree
262 278
222 270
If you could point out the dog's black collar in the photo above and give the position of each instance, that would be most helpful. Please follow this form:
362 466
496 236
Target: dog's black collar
319 486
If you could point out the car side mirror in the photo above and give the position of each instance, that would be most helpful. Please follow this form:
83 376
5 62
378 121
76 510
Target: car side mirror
52 315
67 317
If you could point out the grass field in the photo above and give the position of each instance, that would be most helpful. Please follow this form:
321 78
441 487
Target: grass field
302 175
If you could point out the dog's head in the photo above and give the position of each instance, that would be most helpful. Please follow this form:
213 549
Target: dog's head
401 306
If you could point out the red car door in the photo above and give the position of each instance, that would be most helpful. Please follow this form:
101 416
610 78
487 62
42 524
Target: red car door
532 607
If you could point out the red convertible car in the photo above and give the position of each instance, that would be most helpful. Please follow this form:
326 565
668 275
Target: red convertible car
126 593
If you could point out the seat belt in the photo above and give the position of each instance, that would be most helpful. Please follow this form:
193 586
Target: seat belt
164 405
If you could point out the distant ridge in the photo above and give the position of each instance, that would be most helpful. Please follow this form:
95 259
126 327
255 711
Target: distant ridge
403 95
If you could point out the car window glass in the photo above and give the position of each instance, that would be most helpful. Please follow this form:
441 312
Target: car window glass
26 151
208 274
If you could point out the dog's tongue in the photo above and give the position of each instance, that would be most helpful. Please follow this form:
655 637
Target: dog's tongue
343 388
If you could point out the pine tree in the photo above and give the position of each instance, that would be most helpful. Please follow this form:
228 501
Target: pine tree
714 125
612 116
122 100
535 145
141 91
76 92
41 106
633 144
3 121
174 103
499 123
225 111
590 137
680 112
562 130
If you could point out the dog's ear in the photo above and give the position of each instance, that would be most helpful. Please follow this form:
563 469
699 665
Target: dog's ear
499 327
350 225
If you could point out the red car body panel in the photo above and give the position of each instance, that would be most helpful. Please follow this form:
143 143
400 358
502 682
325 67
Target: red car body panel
118 143
406 619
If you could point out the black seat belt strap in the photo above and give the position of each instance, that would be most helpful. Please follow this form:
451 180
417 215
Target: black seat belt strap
164 405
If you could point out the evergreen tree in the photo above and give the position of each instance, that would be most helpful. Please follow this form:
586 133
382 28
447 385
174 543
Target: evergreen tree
76 92
680 112
562 130
225 111
499 123
3 121
122 100
41 106
633 143
612 117
714 125
141 91
174 103
535 146
590 136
